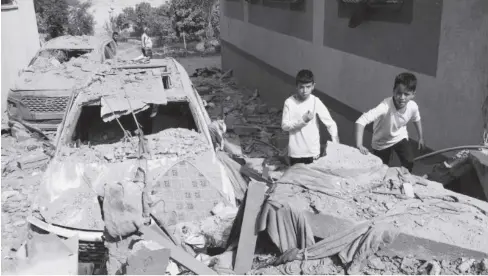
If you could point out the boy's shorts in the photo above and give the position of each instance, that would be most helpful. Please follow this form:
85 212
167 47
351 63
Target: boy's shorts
402 149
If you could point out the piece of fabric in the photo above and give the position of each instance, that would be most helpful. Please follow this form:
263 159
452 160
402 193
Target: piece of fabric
305 137
233 171
311 177
403 151
353 246
390 125
286 226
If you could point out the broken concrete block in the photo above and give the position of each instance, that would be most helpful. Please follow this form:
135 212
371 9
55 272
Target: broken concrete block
33 161
376 263
19 132
466 265
484 266
407 190
203 90
245 130
232 120
148 258
8 194
435 268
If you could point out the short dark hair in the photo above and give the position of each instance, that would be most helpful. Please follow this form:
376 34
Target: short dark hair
407 79
304 76
115 33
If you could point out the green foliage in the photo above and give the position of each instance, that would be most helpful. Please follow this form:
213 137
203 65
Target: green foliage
198 19
144 17
190 17
52 16
80 21
61 17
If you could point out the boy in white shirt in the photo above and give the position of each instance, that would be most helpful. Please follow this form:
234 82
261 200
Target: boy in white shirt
300 121
390 119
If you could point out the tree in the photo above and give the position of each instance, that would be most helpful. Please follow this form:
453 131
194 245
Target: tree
144 16
126 18
60 17
161 25
52 16
189 17
80 21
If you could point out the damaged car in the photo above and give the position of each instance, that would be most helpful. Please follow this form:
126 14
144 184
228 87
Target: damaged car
139 135
42 90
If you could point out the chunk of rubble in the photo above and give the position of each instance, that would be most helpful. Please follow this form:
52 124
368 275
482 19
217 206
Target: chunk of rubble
466 265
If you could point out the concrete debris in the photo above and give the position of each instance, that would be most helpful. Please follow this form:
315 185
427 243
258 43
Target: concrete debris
484 266
376 263
147 258
211 232
435 268
466 265
19 132
33 161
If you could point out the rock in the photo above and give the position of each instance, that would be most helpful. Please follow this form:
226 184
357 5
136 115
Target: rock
200 47
147 257
19 132
466 265
203 90
484 266
19 223
33 161
435 268
8 194
245 130
376 263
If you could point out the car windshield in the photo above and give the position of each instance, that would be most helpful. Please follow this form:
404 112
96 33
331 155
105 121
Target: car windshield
91 129
59 55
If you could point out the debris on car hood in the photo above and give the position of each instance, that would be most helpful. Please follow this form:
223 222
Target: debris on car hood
45 74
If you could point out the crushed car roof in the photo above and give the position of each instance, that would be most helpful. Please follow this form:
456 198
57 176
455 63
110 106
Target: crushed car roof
75 42
130 86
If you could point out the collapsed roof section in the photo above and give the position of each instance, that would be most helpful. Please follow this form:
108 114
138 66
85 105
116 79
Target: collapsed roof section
128 87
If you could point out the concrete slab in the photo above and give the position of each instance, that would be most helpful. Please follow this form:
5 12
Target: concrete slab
434 226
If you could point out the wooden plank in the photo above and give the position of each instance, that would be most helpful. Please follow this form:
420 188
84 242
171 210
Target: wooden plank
154 233
248 235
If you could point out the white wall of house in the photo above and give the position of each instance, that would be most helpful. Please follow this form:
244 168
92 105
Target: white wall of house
20 41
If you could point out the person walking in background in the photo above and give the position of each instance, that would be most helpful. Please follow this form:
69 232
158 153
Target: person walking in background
146 45
390 119
300 121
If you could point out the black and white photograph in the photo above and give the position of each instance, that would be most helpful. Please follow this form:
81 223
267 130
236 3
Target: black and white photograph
244 137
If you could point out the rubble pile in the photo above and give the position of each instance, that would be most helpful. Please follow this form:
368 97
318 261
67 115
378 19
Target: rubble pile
49 73
170 143
20 184
256 126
